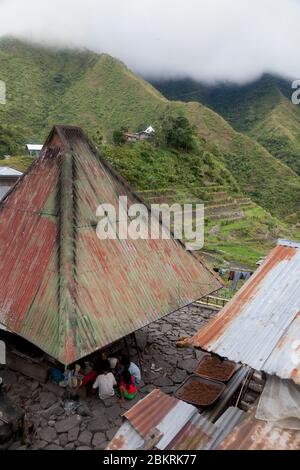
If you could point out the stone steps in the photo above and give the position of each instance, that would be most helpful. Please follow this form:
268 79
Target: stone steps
231 216
153 193
219 208
220 196
219 205
246 203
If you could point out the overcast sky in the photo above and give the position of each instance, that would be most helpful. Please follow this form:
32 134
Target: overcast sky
204 39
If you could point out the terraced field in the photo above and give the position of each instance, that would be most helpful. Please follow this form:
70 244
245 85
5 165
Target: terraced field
237 231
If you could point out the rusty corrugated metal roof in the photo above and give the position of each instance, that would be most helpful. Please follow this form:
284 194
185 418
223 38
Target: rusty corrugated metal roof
196 434
254 434
126 438
62 288
149 412
179 425
261 324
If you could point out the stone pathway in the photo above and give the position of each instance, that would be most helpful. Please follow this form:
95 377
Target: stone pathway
94 425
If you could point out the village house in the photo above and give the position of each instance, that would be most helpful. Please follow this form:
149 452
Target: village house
147 278
143 135
33 150
8 178
258 331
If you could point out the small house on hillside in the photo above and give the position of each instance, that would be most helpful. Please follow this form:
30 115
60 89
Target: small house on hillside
33 149
147 133
143 135
8 177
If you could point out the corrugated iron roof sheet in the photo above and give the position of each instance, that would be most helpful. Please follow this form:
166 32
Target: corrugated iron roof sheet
196 434
149 412
3 191
179 424
253 434
126 438
261 324
34 147
7 171
225 424
65 290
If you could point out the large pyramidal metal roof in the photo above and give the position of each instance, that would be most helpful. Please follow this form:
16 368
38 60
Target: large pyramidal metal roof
62 288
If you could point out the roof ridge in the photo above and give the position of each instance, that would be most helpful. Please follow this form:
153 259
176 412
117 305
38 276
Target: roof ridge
67 251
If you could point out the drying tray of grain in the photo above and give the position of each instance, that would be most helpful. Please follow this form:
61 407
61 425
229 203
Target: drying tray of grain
212 367
199 391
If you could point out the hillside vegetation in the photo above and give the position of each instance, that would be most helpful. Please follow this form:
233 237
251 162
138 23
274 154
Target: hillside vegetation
150 168
262 109
20 163
268 181
236 229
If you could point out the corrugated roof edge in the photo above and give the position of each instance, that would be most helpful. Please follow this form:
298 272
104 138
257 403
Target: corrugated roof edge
290 243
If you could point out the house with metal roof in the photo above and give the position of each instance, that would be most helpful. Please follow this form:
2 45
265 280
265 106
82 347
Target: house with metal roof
260 326
62 288
33 149
7 172
142 135
8 177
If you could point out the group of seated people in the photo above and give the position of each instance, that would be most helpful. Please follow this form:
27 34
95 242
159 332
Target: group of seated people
118 376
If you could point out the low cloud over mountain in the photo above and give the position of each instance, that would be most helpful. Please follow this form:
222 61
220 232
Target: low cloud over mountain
206 40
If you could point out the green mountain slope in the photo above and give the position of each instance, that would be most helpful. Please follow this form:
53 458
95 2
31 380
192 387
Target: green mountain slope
279 132
108 96
36 80
261 109
267 180
236 229
99 93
